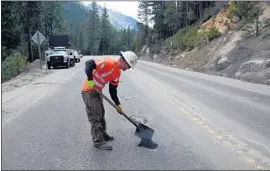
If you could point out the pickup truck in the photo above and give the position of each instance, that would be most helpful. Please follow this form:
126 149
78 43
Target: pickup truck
72 55
60 57
77 56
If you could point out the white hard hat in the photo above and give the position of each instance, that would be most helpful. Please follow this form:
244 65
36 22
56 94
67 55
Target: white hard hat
130 57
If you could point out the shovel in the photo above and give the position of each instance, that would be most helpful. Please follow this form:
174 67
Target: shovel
144 132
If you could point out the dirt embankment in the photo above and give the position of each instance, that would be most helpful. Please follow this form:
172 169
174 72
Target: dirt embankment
32 73
231 55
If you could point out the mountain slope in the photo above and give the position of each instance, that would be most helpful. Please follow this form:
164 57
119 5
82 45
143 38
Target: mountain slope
119 20
79 11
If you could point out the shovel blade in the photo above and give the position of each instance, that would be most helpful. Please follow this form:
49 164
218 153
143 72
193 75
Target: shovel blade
144 132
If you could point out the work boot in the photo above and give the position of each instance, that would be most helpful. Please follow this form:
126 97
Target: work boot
108 137
102 145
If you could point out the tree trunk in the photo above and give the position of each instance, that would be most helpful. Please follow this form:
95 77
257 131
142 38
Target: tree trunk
186 13
51 26
201 9
28 28
30 50
257 26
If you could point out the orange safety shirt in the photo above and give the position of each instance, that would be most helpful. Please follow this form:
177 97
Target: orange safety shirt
106 70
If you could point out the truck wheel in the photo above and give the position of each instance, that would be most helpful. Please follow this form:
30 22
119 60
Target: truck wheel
68 64
73 63
49 65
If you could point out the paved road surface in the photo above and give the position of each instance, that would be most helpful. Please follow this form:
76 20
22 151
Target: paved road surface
200 122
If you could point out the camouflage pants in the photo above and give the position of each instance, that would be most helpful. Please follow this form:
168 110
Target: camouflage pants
96 114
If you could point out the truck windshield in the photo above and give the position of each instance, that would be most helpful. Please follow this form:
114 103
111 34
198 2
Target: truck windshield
59 52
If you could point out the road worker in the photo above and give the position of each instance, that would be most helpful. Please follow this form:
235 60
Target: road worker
98 73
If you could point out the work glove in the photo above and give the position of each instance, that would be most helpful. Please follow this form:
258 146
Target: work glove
119 109
90 84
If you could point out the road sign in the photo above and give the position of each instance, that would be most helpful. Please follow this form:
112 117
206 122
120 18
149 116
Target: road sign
37 36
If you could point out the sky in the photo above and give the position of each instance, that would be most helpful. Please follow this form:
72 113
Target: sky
129 8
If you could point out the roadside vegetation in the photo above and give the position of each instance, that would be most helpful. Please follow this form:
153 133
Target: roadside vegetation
177 22
90 32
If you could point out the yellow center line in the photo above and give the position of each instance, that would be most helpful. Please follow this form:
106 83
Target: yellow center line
200 123
211 131
195 119
250 160
206 127
260 168
198 120
219 137
227 142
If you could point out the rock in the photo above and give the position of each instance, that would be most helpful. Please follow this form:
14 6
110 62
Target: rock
237 25
235 19
265 35
208 24
251 66
223 29
183 55
267 63
223 63
163 51
221 22
267 75
156 48
143 51
147 51
178 57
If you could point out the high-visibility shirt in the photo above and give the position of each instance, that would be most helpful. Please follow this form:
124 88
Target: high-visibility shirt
106 70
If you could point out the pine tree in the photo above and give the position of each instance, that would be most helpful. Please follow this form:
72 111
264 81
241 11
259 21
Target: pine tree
94 30
10 32
106 33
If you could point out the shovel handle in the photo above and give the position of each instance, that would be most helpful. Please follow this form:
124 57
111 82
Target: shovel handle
109 101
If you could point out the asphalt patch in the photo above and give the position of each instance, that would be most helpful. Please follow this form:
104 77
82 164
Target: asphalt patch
146 143
141 119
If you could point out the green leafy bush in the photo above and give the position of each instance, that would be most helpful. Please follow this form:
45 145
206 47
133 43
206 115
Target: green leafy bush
168 44
188 38
266 22
213 33
184 39
13 65
138 44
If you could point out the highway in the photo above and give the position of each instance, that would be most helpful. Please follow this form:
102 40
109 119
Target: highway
200 121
